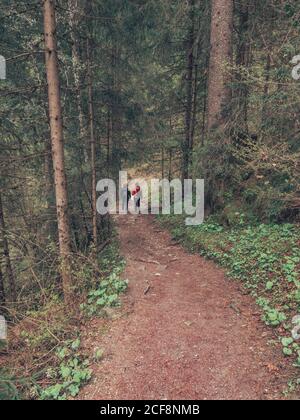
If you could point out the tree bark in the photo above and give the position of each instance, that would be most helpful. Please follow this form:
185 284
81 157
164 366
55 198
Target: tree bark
170 165
163 162
50 225
57 144
186 147
195 95
74 11
219 92
264 112
6 254
2 292
109 136
242 61
115 112
93 144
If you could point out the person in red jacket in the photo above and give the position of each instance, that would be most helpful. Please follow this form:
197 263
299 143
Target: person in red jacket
137 194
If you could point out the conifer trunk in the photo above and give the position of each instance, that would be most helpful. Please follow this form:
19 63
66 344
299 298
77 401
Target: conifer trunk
57 144
186 147
219 92
2 292
6 254
74 11
242 61
93 144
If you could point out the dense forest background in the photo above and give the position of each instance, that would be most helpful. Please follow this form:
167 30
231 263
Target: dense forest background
195 88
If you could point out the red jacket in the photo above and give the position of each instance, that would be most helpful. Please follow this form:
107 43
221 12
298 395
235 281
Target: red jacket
138 189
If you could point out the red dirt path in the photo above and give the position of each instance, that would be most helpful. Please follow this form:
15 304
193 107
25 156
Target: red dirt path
193 335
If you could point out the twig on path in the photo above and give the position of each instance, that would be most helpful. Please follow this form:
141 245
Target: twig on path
173 260
237 310
147 290
148 261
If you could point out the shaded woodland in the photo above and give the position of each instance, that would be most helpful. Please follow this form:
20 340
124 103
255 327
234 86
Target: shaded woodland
189 89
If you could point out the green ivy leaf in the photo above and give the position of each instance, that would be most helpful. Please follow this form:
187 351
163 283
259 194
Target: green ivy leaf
65 372
74 390
76 344
286 342
287 351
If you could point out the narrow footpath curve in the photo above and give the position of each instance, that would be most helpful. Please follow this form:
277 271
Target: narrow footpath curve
184 331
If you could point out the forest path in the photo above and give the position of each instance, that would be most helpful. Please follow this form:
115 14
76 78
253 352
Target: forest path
184 330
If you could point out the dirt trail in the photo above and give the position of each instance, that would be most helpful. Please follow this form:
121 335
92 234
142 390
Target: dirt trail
184 331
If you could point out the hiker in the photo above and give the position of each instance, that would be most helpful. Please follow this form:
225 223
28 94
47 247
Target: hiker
125 196
137 194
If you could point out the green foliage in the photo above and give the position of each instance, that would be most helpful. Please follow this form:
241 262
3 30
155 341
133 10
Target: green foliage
271 316
72 370
8 388
66 368
71 373
286 343
106 295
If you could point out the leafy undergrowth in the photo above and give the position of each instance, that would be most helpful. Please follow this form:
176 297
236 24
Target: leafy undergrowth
266 258
45 360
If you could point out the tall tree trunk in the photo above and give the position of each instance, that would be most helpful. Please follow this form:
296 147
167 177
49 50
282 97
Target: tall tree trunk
93 144
6 254
264 113
186 147
170 151
219 92
74 11
242 61
2 292
205 100
163 162
112 113
57 143
50 225
84 221
170 165
203 125
109 136
115 114
195 95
